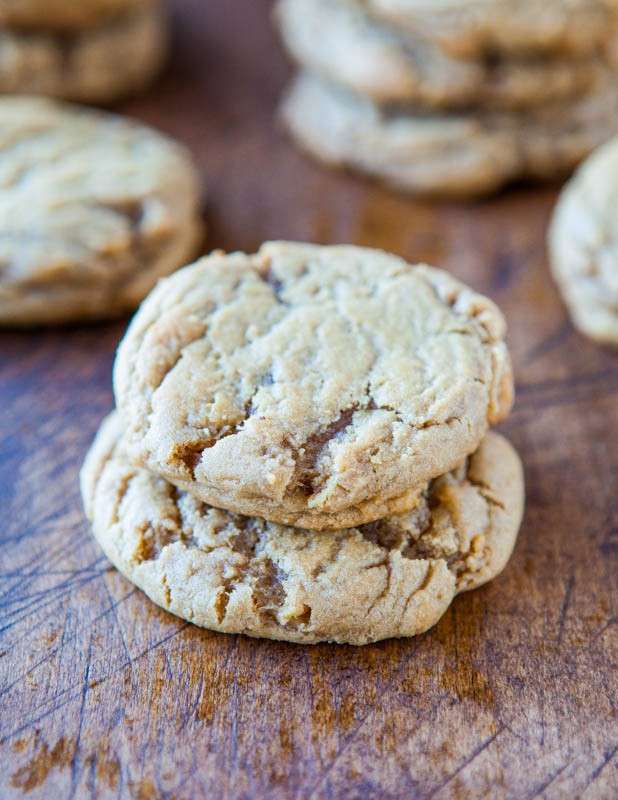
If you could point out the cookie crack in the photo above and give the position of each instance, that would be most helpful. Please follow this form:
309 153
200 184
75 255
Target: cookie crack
309 453
485 490
153 539
10 151
267 275
449 301
335 550
386 564
168 368
122 491
166 590
189 454
420 588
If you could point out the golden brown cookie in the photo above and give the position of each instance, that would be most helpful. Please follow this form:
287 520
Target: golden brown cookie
394 577
98 64
473 28
583 245
461 154
65 15
339 41
94 209
314 386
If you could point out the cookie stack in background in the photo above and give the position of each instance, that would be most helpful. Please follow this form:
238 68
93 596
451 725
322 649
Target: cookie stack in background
85 50
454 98
301 446
583 248
94 209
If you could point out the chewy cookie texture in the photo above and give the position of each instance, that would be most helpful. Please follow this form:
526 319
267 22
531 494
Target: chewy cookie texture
237 574
94 209
93 52
384 90
583 245
301 447
313 386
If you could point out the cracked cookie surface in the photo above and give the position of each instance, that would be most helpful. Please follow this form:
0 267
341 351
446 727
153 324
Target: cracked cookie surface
583 245
394 577
94 209
458 154
96 65
314 386
473 28
340 42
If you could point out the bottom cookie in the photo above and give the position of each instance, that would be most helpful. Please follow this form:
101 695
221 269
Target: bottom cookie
458 155
226 572
97 65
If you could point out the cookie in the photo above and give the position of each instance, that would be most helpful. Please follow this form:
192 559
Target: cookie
338 41
94 209
237 574
451 155
313 386
477 28
583 245
64 14
96 65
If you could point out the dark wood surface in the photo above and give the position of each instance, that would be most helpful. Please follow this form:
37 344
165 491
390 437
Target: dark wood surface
512 695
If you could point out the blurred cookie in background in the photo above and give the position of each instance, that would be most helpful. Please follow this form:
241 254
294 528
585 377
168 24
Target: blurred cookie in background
450 155
583 245
389 97
478 28
340 42
65 15
96 51
94 208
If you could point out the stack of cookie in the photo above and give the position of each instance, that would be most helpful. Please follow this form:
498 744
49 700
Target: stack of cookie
451 98
86 50
301 446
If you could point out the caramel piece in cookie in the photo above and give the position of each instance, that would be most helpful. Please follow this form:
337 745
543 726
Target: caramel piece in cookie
237 574
314 386
583 245
94 209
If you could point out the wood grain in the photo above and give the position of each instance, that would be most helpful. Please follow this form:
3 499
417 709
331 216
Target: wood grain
512 695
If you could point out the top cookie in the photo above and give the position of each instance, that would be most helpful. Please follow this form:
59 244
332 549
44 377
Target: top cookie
583 243
310 385
64 14
470 28
339 41
94 209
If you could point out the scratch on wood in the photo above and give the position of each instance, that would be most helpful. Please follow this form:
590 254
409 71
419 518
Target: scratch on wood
566 601
474 755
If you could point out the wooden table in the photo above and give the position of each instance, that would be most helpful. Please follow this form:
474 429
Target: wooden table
513 694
